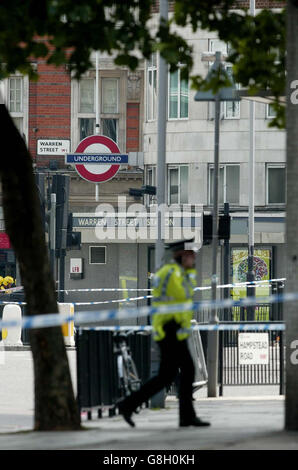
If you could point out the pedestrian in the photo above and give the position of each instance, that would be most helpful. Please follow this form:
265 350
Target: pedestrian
173 284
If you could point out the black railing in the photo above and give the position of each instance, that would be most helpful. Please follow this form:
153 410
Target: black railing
97 374
232 372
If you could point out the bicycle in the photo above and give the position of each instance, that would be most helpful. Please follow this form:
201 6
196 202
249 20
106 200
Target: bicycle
129 380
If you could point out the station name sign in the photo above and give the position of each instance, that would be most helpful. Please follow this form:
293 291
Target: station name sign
126 221
104 158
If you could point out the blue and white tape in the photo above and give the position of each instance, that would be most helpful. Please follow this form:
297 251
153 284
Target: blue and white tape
93 317
278 326
221 286
127 299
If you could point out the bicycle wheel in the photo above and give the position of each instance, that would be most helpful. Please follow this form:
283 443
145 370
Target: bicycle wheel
131 380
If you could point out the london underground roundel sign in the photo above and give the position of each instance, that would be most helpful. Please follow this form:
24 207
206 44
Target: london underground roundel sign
97 158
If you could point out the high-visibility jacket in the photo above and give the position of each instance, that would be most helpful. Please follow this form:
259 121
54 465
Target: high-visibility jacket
172 285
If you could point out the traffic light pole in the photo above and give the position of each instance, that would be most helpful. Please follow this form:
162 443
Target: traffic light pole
52 233
158 400
212 352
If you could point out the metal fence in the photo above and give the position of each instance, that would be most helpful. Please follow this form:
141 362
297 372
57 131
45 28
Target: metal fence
233 372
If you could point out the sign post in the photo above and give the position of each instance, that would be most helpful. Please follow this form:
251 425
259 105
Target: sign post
97 159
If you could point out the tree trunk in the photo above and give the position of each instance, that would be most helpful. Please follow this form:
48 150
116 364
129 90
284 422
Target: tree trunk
291 317
55 404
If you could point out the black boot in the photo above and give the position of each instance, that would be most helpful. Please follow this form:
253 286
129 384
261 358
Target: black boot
125 412
195 421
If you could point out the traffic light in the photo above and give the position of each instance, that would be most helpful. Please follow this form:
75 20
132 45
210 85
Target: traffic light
73 239
60 186
147 189
135 192
40 183
224 224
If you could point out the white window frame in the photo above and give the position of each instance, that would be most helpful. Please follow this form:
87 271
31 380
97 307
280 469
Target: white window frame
224 48
268 167
76 103
20 112
23 114
268 114
103 113
224 166
86 113
178 98
151 199
98 246
177 167
151 69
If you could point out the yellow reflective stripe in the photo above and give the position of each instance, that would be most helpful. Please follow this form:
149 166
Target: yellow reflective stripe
165 282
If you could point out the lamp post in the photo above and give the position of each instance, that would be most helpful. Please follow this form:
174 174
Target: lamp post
223 94
161 146
251 227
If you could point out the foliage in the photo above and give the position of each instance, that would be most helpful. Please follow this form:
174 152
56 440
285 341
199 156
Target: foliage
122 28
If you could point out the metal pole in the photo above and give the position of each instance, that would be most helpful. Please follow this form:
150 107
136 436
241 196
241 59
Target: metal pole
161 146
251 228
158 400
96 110
226 262
96 93
212 354
53 234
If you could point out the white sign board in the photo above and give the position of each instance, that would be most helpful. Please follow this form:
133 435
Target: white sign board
76 266
253 348
52 146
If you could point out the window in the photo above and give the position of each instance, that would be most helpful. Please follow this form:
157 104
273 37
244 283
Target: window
178 184
87 127
276 184
15 101
109 98
87 94
178 96
151 181
229 109
152 88
15 95
270 111
97 254
151 176
229 184
109 127
109 104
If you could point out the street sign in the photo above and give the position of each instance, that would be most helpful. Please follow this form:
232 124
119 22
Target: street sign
97 158
253 348
53 146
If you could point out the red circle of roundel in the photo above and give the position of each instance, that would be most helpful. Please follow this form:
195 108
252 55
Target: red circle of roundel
82 170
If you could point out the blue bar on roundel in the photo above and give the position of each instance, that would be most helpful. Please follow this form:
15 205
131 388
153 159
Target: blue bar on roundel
99 158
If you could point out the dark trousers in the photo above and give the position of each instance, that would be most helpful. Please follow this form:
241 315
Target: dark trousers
174 357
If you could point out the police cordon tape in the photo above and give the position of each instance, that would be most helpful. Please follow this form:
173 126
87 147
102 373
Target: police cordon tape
92 317
275 326
220 286
129 299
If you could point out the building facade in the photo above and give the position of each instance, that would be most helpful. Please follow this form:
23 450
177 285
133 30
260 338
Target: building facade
57 112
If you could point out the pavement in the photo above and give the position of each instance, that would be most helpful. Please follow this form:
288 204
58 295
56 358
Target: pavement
245 418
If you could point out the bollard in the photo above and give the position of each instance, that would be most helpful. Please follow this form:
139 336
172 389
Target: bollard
12 336
67 328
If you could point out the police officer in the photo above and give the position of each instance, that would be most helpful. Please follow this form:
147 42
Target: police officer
173 284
